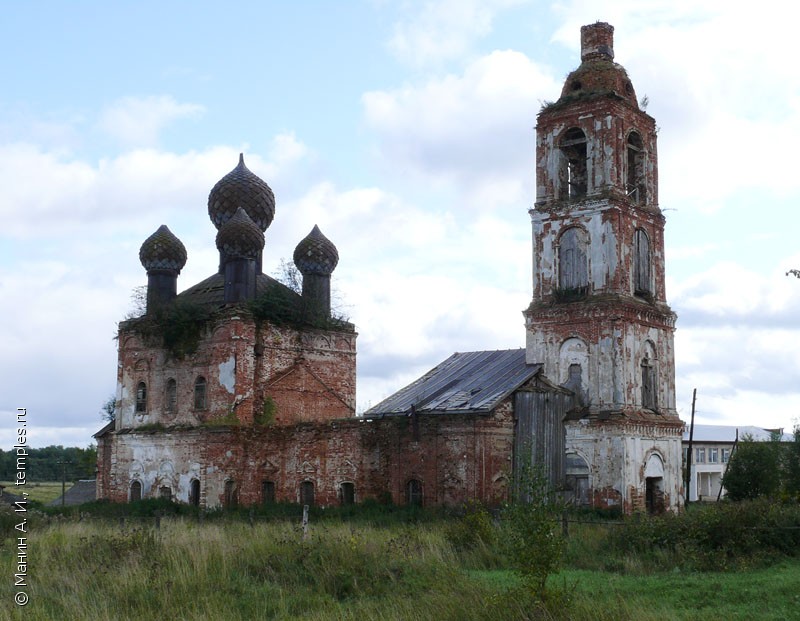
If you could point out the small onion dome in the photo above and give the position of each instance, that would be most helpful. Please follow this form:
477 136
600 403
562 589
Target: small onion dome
240 237
163 251
241 188
316 254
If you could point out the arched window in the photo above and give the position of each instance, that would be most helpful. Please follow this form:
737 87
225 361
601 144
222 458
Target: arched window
414 492
171 396
200 393
141 397
573 174
634 184
165 492
194 493
307 493
573 275
136 491
347 492
641 263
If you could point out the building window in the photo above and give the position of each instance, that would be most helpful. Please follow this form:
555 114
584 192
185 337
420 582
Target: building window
136 491
171 396
414 492
635 186
267 492
641 264
200 393
307 493
649 384
713 456
231 494
347 492
573 173
194 493
573 273
141 397
726 455
700 456
165 492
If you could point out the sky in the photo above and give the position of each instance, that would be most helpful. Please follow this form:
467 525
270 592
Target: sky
405 130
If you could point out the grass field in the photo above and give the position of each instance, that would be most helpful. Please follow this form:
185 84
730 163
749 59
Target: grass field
100 569
43 492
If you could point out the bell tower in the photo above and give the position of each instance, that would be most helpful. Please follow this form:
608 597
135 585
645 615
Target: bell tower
599 320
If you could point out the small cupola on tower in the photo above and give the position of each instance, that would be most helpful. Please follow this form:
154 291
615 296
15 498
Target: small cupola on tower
240 242
163 256
241 188
316 257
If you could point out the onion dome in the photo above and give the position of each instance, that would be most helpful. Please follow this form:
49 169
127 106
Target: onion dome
241 188
316 254
598 74
163 251
240 237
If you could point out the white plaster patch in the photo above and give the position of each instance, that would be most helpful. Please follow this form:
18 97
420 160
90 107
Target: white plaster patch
227 374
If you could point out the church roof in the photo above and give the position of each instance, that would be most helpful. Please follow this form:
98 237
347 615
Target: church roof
467 382
211 291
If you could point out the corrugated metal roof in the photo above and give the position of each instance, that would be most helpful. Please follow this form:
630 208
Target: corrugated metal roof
473 381
727 433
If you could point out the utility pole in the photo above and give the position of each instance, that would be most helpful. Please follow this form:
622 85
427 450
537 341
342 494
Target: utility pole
689 454
63 463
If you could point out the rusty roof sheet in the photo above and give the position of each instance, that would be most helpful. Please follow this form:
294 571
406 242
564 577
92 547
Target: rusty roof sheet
467 382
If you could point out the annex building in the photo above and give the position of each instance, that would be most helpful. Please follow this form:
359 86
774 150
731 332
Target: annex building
240 390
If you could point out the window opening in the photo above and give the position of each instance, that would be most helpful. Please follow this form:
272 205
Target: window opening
141 397
414 492
648 384
307 493
641 264
573 276
267 492
171 404
136 491
165 492
700 456
200 393
231 494
194 493
713 456
574 173
348 493
635 186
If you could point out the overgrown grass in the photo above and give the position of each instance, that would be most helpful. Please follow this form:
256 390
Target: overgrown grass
39 491
384 562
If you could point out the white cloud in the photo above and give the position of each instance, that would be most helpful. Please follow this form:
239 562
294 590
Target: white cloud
444 29
138 121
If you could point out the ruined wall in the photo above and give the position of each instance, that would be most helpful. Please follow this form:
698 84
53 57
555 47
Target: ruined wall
618 453
455 458
298 374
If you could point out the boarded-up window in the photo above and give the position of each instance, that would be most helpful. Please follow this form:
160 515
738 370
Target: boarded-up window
267 492
641 263
348 493
307 493
200 393
573 174
165 492
194 493
635 183
141 397
171 396
136 491
414 492
572 268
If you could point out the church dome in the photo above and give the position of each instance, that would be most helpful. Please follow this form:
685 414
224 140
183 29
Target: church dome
316 254
241 188
163 251
598 75
239 236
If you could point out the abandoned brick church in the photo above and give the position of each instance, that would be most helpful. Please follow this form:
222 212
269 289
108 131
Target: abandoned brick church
239 390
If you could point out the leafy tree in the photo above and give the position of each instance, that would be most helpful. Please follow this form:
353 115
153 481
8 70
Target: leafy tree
531 529
754 469
791 467
795 273
109 409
